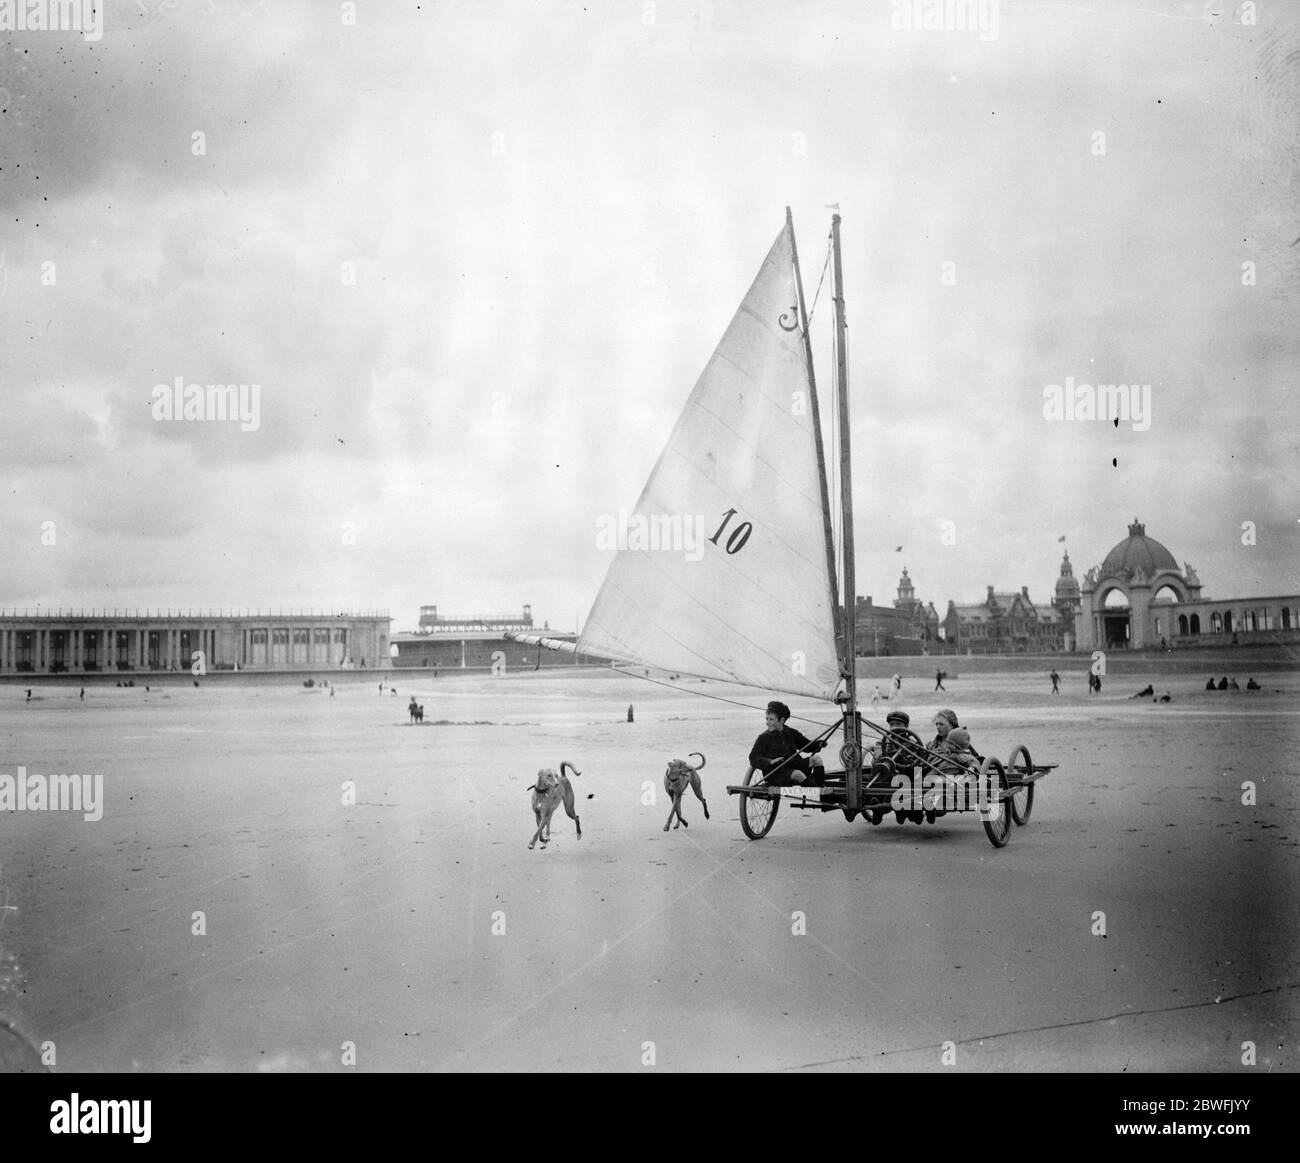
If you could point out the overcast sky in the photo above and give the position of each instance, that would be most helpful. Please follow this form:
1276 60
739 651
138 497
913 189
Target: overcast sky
553 211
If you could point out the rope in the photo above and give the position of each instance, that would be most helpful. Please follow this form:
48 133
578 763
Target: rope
825 268
824 733
706 695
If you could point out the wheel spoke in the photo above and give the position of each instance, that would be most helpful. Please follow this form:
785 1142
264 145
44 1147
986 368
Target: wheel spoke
1019 768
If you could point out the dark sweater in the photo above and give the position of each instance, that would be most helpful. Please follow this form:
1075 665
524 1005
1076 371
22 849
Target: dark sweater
778 745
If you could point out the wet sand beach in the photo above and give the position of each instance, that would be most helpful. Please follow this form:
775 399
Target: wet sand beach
237 907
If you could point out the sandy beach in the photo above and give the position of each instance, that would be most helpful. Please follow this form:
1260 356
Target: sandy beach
234 909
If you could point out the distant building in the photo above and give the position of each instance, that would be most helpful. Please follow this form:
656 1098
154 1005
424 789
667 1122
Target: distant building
1139 599
1068 604
910 626
145 641
478 642
432 623
1005 623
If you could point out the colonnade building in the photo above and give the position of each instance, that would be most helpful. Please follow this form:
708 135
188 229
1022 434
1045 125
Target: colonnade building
89 641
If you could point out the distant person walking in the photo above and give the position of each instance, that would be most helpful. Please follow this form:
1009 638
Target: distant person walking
875 695
896 685
938 681
83 694
1056 683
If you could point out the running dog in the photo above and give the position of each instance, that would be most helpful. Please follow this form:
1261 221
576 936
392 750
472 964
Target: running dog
549 792
679 776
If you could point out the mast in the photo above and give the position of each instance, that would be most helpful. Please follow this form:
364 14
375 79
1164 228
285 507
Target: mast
817 435
852 728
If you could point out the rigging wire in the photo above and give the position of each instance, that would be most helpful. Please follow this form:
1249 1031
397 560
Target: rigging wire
837 513
825 267
735 702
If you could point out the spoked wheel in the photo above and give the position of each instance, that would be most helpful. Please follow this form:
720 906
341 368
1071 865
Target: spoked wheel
757 813
911 753
1019 767
995 810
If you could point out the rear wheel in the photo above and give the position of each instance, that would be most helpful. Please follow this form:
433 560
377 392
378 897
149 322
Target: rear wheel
1019 768
995 802
757 813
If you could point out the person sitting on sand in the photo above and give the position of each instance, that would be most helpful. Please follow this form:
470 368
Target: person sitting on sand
1234 686
1252 685
1148 693
1164 698
777 753
1209 683
1223 683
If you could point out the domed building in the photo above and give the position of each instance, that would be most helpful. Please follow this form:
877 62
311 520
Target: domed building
1067 604
908 628
1126 601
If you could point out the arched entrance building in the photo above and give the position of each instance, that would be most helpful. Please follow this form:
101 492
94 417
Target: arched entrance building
1131 600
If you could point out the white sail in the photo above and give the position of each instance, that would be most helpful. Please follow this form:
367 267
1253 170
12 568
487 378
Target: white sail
747 598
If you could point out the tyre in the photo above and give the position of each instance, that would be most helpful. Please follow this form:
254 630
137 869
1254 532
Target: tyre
757 813
995 806
1019 767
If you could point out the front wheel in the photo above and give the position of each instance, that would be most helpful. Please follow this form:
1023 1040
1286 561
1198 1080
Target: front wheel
757 813
995 800
1020 768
